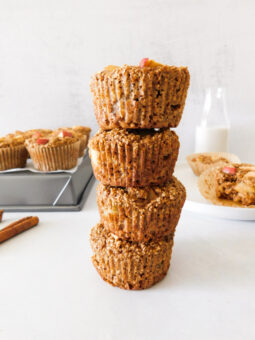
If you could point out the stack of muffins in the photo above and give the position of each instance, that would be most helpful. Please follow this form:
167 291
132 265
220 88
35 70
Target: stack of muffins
133 156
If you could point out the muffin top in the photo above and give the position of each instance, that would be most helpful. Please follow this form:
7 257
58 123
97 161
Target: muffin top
103 240
11 141
82 129
146 197
50 141
145 65
125 136
16 134
68 131
145 62
35 133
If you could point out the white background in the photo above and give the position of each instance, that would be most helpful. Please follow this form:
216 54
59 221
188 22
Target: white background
50 48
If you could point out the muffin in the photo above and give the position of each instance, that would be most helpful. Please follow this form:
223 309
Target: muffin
53 153
129 265
232 185
13 153
147 96
199 162
84 130
16 134
34 133
133 158
67 131
141 214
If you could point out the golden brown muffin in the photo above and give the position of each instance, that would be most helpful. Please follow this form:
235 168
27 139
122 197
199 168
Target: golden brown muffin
199 162
53 153
148 96
67 131
16 138
13 153
141 214
36 133
133 158
84 130
231 185
129 265
17 135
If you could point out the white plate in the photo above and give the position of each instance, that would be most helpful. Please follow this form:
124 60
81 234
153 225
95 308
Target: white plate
197 203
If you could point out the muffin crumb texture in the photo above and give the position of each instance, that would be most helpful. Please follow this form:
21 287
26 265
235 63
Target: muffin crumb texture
229 185
140 97
129 265
134 158
141 214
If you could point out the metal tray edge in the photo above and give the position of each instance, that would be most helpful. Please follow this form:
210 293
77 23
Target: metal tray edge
42 208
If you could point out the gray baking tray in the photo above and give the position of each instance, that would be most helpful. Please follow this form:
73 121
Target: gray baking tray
28 191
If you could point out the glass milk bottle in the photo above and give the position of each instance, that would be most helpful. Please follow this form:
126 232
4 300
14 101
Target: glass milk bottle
212 133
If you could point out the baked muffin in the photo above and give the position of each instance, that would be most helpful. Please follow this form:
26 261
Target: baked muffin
129 265
232 185
141 214
199 162
67 131
133 158
13 153
84 130
16 134
53 153
36 133
147 96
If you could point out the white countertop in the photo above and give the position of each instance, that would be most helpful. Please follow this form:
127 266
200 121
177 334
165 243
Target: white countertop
49 289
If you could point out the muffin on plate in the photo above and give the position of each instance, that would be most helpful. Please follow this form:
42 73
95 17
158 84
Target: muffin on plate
53 153
129 265
147 96
133 158
73 133
231 185
199 162
13 153
141 214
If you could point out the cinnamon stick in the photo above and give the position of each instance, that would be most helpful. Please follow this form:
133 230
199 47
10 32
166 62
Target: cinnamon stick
18 227
1 215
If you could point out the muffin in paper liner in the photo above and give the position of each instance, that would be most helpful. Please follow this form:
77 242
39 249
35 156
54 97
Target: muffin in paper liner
134 97
56 155
133 158
226 189
83 138
24 135
200 162
129 265
12 157
141 214
83 144
85 131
